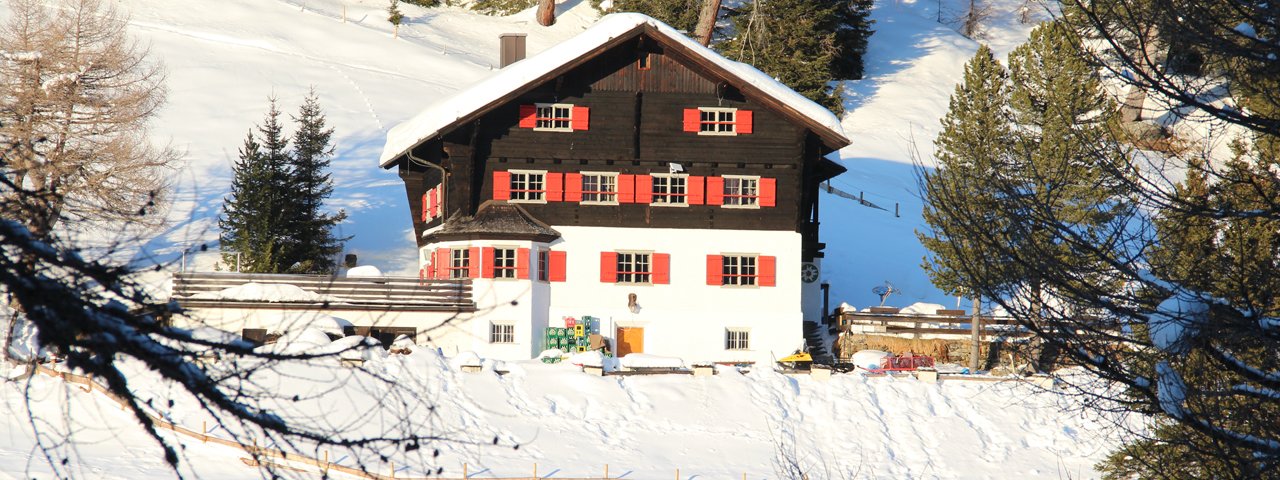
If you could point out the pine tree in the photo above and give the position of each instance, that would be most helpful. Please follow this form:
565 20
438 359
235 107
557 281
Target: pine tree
1062 162
393 13
680 14
248 242
852 32
310 184
975 138
794 41
254 223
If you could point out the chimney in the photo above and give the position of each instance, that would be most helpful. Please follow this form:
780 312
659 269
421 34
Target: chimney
512 48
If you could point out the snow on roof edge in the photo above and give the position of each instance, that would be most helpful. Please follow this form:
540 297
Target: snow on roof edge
428 123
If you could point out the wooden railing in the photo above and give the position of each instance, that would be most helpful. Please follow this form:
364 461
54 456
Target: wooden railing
365 293
944 324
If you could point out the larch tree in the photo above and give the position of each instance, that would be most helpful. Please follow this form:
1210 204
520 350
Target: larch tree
316 247
76 97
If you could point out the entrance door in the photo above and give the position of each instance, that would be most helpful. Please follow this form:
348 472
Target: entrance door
630 340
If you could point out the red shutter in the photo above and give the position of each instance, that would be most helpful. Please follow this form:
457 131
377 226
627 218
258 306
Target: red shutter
644 189
608 267
626 189
435 202
557 263
768 275
424 206
473 263
555 187
695 187
486 266
692 120
580 118
768 192
715 190
715 270
522 264
661 268
440 265
502 185
528 116
743 121
573 187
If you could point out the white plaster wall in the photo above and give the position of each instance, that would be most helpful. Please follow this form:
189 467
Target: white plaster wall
686 318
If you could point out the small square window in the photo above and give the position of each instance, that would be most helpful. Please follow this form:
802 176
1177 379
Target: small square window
741 192
670 189
645 61
502 333
739 270
460 263
504 263
737 339
600 188
528 186
634 268
554 117
717 121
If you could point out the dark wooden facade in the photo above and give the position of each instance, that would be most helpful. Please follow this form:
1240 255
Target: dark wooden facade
635 128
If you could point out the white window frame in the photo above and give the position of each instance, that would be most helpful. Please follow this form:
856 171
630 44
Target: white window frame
460 263
732 272
505 270
635 276
526 182
612 176
737 339
548 123
666 194
727 196
502 333
717 122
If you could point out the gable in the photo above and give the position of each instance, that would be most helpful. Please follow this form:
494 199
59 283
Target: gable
611 32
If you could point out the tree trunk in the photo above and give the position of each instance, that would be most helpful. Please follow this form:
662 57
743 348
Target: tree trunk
707 21
546 12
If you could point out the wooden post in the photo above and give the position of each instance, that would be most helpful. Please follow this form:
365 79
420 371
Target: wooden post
393 469
677 474
606 471
395 32
344 14
325 469
204 432
535 470
976 349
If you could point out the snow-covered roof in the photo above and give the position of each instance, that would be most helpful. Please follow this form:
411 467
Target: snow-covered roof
487 93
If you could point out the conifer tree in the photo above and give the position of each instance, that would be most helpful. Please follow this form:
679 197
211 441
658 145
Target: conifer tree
254 223
309 183
973 145
853 29
792 40
680 14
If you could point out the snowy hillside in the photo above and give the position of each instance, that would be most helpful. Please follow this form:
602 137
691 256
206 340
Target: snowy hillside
571 424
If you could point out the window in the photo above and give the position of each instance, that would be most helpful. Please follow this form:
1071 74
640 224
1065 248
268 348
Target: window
528 186
459 263
644 63
634 268
717 121
670 189
554 117
600 188
737 339
543 265
739 270
502 333
743 192
504 263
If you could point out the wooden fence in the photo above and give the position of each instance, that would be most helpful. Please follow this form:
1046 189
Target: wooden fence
364 293
946 324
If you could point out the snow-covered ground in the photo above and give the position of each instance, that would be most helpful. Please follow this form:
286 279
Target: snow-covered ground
572 424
